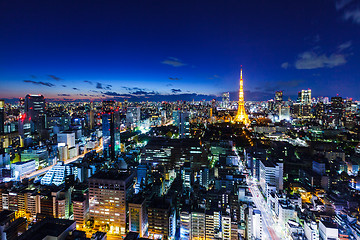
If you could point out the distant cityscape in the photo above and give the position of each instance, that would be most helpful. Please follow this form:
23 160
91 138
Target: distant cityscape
276 169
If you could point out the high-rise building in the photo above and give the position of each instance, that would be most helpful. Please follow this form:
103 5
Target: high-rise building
182 121
271 174
304 96
226 100
80 208
111 129
336 111
279 96
161 219
138 216
304 104
132 116
241 115
2 115
254 224
35 110
108 192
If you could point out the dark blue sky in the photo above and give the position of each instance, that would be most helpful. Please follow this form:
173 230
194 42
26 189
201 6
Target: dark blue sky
152 49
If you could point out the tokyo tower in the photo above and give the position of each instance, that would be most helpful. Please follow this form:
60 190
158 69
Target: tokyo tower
241 115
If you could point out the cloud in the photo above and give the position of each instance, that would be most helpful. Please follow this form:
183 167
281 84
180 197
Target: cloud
64 95
112 94
87 81
55 77
344 46
33 76
175 62
169 85
285 65
350 9
340 4
174 78
63 85
139 91
311 60
47 84
143 92
175 90
76 89
353 14
103 86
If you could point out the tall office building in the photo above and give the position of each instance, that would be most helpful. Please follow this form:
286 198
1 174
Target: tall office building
2 115
254 224
161 219
226 100
279 96
182 121
107 199
271 175
304 96
138 216
304 103
337 110
132 116
111 129
35 110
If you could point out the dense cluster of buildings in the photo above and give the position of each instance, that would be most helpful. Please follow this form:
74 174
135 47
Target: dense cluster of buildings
180 170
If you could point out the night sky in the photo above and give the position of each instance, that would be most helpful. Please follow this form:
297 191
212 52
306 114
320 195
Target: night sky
168 50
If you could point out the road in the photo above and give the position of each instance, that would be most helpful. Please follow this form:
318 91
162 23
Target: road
44 170
266 214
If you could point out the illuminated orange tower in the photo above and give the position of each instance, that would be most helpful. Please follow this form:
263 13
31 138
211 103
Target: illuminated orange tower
241 115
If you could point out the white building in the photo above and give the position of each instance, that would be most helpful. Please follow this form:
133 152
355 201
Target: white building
271 174
56 175
328 230
22 168
254 224
67 138
286 211
311 231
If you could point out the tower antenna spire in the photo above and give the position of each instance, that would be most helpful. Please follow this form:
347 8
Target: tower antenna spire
241 115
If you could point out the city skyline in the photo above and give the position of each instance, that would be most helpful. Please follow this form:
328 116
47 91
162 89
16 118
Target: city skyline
173 51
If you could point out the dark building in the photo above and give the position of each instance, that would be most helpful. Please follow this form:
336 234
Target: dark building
49 228
35 110
336 111
11 228
2 116
174 152
161 219
111 129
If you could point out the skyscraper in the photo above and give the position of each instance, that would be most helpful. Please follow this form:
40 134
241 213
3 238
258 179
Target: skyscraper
241 115
108 192
111 129
182 121
304 97
304 102
2 116
279 96
225 99
35 110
